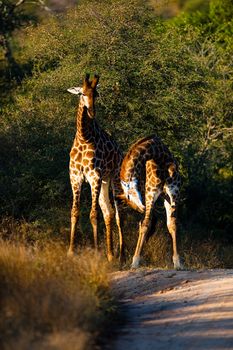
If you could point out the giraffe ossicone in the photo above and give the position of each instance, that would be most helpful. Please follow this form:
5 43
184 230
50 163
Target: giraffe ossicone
75 90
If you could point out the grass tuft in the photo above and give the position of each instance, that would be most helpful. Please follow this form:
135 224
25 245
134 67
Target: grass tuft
49 301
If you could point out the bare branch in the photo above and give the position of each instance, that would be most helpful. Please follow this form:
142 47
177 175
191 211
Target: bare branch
46 8
221 132
40 3
20 2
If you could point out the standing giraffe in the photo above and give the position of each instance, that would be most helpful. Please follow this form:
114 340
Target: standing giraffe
97 158
149 166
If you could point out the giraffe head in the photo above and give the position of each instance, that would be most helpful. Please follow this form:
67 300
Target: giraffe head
88 93
131 195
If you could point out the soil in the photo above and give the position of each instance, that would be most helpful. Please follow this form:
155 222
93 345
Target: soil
166 309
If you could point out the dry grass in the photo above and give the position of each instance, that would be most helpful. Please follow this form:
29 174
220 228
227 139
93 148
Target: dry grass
49 301
196 249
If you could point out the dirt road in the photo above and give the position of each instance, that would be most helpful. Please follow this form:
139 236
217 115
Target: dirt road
175 309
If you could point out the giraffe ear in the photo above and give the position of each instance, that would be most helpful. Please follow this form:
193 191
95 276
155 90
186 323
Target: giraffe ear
86 82
95 81
75 90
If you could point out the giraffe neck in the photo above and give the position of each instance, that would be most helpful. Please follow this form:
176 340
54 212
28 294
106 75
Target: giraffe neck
85 124
131 169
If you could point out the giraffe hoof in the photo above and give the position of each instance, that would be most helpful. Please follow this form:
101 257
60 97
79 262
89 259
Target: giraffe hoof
110 257
136 262
70 253
177 263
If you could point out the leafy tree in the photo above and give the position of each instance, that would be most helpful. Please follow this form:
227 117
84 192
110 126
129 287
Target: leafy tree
208 157
194 5
15 15
11 18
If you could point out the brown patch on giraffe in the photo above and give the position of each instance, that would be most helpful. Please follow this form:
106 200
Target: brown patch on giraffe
171 169
149 197
72 164
73 152
78 166
90 154
78 157
85 162
157 181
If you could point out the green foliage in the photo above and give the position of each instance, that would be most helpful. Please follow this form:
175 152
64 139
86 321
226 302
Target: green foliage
11 18
221 12
194 5
14 15
216 22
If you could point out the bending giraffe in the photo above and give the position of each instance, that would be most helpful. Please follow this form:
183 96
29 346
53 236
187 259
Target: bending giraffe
97 158
150 167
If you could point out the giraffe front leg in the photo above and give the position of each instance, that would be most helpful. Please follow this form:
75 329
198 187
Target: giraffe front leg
76 188
171 211
151 197
117 190
143 229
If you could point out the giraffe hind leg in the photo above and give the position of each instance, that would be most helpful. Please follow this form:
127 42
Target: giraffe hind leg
108 214
144 228
172 192
95 192
119 216
171 212
76 189
116 187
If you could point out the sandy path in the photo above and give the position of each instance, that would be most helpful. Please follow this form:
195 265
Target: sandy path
175 309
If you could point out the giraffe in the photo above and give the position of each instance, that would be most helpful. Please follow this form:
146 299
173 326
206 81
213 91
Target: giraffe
149 166
96 158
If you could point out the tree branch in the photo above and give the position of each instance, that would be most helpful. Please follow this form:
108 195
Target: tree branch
20 2
37 2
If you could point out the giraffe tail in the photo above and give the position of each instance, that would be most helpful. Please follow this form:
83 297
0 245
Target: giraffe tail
154 221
